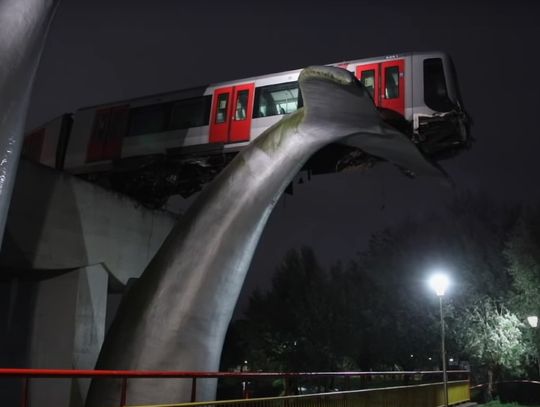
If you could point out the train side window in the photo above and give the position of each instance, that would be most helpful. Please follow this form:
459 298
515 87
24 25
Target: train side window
391 82
241 105
188 113
435 91
264 105
149 119
368 80
221 115
273 100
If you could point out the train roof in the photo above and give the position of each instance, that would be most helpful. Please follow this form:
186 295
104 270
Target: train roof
202 89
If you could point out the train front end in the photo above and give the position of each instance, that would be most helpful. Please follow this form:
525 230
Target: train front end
440 124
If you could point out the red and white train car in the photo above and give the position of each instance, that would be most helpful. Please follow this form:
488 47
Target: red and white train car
417 92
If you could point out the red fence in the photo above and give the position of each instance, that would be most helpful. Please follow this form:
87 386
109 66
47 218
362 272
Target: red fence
404 377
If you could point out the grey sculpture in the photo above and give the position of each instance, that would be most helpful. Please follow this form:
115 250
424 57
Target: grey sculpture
176 315
23 28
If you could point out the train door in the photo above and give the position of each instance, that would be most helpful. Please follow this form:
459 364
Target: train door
393 86
232 110
110 126
369 76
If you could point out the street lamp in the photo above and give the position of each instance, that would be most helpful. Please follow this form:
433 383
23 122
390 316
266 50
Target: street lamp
439 282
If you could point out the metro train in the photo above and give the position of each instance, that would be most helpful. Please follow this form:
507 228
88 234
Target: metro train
185 137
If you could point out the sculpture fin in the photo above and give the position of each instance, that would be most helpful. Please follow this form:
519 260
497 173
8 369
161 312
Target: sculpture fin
393 146
353 113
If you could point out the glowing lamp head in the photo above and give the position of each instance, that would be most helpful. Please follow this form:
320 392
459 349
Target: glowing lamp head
533 321
439 282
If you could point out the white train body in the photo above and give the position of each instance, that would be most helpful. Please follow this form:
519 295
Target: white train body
417 92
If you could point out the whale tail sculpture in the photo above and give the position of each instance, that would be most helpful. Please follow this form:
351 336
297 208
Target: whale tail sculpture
23 29
176 315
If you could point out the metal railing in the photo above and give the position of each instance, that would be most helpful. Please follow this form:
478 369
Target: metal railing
324 389
420 395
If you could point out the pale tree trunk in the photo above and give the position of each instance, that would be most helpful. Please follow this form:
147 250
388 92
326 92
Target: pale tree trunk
490 383
493 373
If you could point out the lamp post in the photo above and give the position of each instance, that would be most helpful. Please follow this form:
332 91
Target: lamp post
439 282
533 322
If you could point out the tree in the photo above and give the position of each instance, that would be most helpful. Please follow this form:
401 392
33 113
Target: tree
301 323
376 311
492 336
523 255
392 313
468 238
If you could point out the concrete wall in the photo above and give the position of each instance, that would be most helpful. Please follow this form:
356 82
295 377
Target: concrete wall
69 248
57 221
67 332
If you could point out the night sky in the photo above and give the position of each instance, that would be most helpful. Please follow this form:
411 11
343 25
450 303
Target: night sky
101 51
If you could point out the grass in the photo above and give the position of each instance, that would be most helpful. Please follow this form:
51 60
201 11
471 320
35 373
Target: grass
497 403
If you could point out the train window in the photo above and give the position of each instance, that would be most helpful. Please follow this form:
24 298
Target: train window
241 105
188 113
221 115
391 82
148 119
277 99
435 91
368 80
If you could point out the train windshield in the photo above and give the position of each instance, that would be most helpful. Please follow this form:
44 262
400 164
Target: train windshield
435 90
